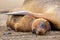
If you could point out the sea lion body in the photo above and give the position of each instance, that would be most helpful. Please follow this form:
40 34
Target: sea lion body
28 23
50 10
20 23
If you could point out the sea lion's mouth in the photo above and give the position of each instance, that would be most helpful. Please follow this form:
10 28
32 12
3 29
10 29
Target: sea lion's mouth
41 31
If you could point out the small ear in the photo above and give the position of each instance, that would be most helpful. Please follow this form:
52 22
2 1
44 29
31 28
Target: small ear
34 31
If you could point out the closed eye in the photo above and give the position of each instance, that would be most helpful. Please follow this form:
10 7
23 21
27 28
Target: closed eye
42 25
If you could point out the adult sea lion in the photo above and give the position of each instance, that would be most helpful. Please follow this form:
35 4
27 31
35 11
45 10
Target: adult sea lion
52 17
48 9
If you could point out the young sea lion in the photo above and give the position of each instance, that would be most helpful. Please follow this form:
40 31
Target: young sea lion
28 23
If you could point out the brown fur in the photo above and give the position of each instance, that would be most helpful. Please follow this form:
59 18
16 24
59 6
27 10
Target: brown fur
28 23
20 23
12 20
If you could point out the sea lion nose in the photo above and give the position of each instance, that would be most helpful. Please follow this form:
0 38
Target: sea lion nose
33 31
39 32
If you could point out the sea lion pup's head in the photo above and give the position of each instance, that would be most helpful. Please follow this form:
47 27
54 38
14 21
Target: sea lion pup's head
40 26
